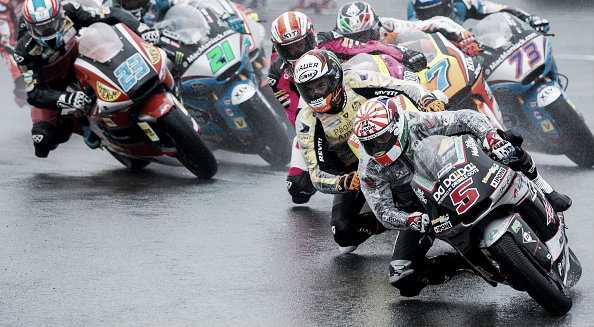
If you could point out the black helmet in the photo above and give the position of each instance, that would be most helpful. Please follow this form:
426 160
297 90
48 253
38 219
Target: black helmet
137 7
425 9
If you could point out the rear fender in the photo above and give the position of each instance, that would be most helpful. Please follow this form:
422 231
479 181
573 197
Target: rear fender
524 236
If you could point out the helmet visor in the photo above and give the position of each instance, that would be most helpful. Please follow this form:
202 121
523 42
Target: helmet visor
380 145
321 94
293 50
132 4
364 35
49 29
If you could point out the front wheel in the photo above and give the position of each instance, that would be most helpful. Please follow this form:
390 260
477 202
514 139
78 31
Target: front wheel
576 137
273 143
193 152
523 272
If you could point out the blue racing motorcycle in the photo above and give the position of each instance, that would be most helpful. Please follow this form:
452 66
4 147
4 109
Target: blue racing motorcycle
218 83
522 73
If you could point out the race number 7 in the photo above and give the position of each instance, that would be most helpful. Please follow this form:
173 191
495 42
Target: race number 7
219 56
464 198
439 71
531 52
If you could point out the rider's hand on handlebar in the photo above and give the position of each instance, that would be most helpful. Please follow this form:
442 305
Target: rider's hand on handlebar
502 149
77 100
467 43
413 60
539 24
418 222
348 182
150 35
430 103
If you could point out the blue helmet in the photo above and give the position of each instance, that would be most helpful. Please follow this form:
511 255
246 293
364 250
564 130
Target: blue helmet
425 9
45 21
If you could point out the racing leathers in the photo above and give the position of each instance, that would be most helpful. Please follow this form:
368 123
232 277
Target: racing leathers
391 198
453 31
10 12
280 79
47 72
323 143
479 9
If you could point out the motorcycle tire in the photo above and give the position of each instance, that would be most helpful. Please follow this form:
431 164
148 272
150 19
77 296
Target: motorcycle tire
193 152
131 163
577 139
523 272
273 139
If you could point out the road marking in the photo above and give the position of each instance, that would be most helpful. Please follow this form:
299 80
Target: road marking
575 57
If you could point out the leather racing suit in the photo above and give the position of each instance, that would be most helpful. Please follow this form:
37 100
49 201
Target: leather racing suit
10 12
280 79
47 72
476 9
323 143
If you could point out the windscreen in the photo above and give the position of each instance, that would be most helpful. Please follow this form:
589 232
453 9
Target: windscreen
493 31
187 22
100 43
416 40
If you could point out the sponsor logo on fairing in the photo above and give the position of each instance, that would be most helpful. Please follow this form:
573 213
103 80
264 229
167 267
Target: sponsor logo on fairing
498 177
471 144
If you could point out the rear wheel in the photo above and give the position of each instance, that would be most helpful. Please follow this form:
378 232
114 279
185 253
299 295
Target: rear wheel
523 272
132 163
193 152
576 137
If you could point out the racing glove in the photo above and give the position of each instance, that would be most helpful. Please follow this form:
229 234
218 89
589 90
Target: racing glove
430 103
348 182
77 100
236 24
467 43
418 222
539 24
502 149
412 59
150 35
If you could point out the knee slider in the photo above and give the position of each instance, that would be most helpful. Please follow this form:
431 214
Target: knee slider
347 233
300 187
42 134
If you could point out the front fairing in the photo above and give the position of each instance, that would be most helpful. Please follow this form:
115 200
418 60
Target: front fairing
515 56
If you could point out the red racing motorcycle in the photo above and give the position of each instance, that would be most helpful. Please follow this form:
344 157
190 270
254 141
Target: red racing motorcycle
135 114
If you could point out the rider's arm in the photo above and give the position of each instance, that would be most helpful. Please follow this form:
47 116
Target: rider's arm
371 84
479 9
345 48
38 92
455 122
379 195
283 87
314 148
82 16
444 25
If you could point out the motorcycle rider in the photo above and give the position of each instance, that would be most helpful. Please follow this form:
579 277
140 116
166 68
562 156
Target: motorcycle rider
388 134
325 125
461 10
45 52
10 12
292 35
147 11
358 21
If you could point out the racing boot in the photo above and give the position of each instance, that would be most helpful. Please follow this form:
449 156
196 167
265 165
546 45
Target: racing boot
441 268
559 201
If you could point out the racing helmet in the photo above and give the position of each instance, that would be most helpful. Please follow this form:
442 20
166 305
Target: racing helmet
382 128
45 21
425 9
136 7
292 35
318 77
358 21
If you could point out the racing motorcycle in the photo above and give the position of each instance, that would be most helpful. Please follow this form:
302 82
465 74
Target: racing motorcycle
522 73
135 114
457 75
496 218
218 84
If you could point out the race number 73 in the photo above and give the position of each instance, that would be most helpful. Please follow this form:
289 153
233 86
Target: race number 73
219 56
531 51
464 198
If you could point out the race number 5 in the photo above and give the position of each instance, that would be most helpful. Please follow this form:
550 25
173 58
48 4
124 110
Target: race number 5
531 51
464 198
219 56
